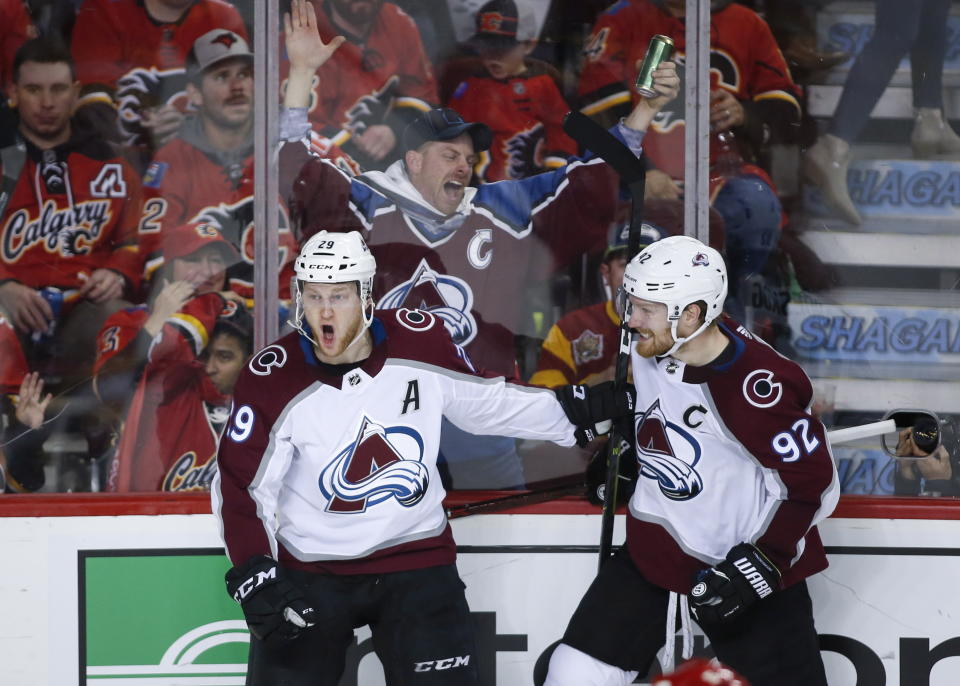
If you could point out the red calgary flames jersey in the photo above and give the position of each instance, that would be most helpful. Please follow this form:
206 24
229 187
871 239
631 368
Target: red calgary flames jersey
362 82
526 115
744 59
127 58
74 209
173 391
184 184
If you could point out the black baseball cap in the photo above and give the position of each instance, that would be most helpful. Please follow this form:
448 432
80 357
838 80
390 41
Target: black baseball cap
444 124
619 238
497 22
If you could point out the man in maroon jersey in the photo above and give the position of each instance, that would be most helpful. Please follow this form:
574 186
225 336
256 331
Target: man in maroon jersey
130 58
68 223
205 174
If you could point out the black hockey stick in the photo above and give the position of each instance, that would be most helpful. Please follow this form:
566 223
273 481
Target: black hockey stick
560 488
632 171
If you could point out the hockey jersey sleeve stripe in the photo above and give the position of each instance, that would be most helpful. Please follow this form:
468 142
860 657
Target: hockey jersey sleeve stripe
193 330
96 97
411 103
778 95
549 378
558 346
618 98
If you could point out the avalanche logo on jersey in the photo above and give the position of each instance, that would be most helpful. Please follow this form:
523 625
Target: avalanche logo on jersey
444 295
668 454
381 464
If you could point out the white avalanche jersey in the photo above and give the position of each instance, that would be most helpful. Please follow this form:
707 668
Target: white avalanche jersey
339 473
728 452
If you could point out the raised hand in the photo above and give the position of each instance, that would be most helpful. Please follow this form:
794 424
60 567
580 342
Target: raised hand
305 48
31 403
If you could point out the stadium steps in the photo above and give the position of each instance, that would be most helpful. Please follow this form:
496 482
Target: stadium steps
889 335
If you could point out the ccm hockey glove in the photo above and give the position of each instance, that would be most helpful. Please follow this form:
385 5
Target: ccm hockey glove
273 607
591 408
725 591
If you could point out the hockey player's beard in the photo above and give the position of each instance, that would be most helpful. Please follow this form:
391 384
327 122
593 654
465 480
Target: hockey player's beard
658 343
345 339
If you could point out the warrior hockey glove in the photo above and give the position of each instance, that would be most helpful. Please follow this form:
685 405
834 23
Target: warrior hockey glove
273 607
591 408
725 591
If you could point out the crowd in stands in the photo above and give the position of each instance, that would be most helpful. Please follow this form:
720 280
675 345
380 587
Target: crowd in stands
127 222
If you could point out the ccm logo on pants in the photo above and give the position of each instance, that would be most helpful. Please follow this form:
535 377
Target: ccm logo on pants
445 663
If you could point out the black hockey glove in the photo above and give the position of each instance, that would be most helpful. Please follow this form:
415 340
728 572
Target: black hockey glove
273 607
591 408
596 474
725 591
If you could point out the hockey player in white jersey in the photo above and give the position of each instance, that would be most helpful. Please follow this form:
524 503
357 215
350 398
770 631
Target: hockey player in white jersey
735 473
327 486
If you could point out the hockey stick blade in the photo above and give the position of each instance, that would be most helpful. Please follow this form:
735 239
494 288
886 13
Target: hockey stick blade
603 144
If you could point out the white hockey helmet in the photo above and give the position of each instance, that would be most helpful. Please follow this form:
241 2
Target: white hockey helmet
335 257
678 271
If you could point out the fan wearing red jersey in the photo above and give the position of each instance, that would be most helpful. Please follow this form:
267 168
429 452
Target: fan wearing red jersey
517 97
735 472
205 174
753 102
182 353
130 58
68 220
381 78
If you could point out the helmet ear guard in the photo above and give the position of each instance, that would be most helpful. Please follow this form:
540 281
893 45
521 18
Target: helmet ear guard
678 271
334 257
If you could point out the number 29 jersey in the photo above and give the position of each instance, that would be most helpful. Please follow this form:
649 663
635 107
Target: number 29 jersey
728 452
338 474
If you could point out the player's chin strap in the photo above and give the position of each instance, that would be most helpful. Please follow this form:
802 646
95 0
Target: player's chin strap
668 659
677 342
624 308
297 321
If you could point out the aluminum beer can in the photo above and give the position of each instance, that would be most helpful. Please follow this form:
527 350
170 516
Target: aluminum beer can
54 297
659 50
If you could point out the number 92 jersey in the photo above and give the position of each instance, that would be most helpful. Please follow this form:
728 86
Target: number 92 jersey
728 452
